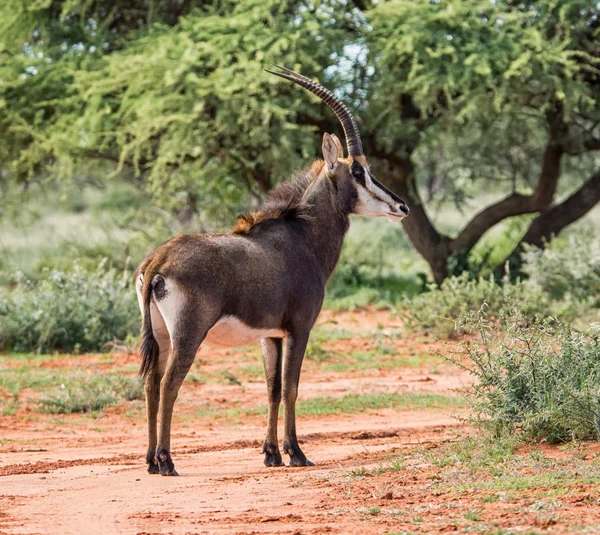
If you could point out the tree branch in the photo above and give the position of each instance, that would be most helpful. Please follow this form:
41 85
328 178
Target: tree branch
551 221
589 145
514 204
399 176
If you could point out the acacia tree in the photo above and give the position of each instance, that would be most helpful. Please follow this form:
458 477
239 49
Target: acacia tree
523 76
173 94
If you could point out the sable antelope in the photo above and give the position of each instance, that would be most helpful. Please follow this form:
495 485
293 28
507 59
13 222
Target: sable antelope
264 282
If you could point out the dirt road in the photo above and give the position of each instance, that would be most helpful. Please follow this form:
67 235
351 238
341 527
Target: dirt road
86 474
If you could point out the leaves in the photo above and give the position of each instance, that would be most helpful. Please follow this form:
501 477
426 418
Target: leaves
174 97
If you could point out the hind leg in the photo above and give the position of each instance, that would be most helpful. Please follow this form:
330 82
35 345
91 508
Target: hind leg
152 386
182 356
271 351
188 322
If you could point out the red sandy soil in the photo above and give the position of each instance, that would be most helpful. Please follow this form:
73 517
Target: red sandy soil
83 474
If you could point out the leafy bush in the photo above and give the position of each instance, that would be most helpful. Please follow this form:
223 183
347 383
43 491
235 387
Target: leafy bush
71 310
87 394
541 378
438 309
377 266
568 269
562 280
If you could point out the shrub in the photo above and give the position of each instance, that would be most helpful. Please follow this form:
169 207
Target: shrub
377 267
568 269
562 281
87 394
71 310
438 309
541 377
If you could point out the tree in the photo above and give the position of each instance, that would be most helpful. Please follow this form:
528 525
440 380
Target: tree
173 94
523 76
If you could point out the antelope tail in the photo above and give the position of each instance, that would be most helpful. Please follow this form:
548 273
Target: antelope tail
149 346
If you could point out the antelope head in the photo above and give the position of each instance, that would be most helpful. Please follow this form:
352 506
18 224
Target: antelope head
362 192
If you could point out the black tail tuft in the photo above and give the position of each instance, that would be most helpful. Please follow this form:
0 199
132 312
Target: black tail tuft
149 347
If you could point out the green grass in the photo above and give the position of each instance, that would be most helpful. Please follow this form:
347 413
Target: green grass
53 225
378 266
353 403
64 391
90 394
496 468
252 372
328 332
375 359
316 352
347 404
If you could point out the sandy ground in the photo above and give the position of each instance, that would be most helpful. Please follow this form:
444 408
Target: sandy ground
86 474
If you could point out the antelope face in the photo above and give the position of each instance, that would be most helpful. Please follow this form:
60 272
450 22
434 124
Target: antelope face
369 197
374 199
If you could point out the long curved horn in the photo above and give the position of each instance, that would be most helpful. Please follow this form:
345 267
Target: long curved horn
339 108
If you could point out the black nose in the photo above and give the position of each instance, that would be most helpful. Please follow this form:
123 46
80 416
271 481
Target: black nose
405 209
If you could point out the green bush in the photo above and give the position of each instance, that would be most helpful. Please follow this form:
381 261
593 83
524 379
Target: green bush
73 310
378 266
438 309
87 394
568 269
540 378
562 280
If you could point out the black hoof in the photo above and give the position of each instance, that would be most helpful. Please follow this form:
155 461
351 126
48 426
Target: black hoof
297 457
152 463
171 473
153 468
300 462
165 464
272 455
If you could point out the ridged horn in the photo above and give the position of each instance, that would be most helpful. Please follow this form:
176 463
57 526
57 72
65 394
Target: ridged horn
339 108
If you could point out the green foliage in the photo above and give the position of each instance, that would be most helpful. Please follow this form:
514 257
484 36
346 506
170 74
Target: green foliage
541 378
186 104
439 309
71 310
88 394
569 269
477 58
377 267
562 280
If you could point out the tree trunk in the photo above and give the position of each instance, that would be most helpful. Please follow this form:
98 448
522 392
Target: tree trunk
433 246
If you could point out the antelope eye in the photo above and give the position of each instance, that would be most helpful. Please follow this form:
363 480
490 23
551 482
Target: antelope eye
358 172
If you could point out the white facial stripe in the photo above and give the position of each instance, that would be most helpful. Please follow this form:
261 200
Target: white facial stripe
138 290
368 206
375 201
377 191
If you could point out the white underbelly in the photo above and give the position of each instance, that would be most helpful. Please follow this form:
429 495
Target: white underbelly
229 331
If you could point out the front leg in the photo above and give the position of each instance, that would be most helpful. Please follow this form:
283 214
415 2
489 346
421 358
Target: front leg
295 347
271 352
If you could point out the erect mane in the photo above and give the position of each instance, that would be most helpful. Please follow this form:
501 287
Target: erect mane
284 200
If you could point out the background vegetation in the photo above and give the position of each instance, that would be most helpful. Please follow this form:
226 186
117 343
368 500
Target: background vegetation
124 125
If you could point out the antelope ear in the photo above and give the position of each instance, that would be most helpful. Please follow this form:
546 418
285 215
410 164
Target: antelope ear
340 147
330 151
